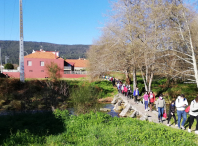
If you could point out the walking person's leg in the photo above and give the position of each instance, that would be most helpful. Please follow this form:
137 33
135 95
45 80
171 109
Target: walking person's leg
162 112
196 130
146 105
191 122
175 119
151 104
184 115
169 117
179 118
159 113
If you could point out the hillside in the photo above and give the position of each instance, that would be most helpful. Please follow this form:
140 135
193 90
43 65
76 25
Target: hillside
11 49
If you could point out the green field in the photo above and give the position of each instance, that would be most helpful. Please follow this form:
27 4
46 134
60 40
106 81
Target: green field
56 129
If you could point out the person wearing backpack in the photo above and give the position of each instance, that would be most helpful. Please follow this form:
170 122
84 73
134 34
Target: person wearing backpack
129 91
125 90
181 103
113 82
193 114
152 99
118 87
136 94
146 100
122 88
171 113
160 106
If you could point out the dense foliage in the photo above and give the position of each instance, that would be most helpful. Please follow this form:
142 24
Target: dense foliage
53 71
43 94
88 129
32 95
8 66
11 49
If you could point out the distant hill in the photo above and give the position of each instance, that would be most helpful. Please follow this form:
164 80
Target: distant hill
11 49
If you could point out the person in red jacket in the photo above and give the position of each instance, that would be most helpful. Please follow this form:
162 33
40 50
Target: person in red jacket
125 90
152 99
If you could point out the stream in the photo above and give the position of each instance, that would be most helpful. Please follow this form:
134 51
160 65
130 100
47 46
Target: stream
101 105
71 110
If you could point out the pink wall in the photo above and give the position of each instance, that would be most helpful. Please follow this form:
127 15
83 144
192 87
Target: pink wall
37 71
73 75
12 74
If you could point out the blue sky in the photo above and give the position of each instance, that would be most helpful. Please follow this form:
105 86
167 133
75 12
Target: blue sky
54 21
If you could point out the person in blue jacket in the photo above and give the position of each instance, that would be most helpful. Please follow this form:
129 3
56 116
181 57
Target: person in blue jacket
136 94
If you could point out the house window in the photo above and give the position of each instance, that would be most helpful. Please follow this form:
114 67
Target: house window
42 63
29 63
30 70
42 70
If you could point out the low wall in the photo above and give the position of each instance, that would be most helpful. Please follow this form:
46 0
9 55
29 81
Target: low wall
12 74
73 75
17 75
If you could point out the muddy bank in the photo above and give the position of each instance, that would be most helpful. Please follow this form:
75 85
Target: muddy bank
105 100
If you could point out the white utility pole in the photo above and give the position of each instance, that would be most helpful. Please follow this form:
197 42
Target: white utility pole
21 49
6 58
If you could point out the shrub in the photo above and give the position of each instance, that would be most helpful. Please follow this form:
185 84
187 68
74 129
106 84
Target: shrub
83 98
9 66
53 71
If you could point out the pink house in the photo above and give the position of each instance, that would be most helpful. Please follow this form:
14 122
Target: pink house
35 65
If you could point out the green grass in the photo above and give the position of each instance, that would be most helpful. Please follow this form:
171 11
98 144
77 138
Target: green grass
88 129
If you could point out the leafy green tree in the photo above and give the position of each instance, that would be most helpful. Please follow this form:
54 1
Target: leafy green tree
53 71
9 66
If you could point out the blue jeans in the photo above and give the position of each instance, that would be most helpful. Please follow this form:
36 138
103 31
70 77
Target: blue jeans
160 112
181 114
146 104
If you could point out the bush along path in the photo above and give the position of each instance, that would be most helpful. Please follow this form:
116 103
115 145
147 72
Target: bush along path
129 108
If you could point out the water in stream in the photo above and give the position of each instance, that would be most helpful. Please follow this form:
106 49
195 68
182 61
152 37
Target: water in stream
112 112
102 105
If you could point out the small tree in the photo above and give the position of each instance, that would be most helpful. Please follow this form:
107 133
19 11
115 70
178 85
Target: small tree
9 66
53 71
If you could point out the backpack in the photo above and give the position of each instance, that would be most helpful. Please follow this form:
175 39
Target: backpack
178 99
188 108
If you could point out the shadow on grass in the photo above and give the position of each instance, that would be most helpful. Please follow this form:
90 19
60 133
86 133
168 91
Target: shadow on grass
39 125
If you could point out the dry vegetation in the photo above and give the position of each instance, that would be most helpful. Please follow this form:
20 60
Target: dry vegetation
154 37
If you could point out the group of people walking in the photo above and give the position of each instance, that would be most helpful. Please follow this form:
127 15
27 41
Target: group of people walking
180 104
124 89
149 97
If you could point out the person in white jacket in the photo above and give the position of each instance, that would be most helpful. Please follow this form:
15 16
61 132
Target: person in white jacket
193 114
181 103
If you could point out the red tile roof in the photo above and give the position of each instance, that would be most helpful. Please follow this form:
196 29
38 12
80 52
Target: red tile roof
78 63
46 55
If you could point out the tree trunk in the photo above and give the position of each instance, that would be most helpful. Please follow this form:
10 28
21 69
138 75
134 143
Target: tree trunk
150 81
134 79
145 84
128 80
194 66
